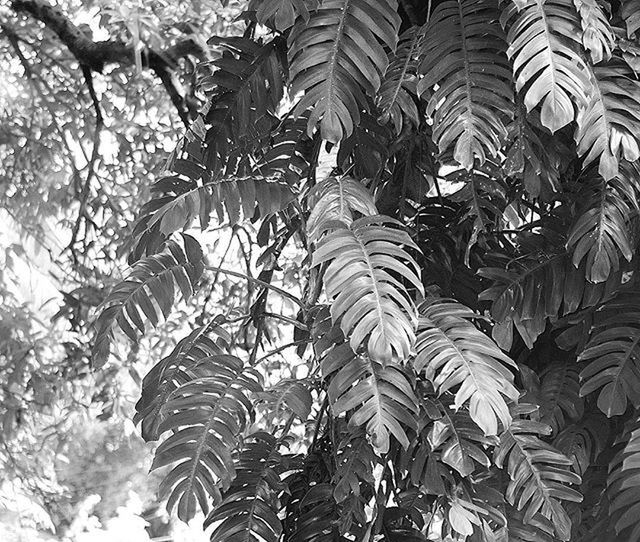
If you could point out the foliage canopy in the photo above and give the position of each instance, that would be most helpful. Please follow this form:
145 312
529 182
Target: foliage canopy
457 328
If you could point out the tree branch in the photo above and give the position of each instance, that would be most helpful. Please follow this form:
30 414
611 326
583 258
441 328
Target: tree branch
98 54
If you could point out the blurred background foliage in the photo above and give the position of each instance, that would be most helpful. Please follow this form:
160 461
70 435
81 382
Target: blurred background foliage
78 153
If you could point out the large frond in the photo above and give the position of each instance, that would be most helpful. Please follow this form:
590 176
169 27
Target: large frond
613 355
455 355
338 56
609 124
560 402
464 58
597 35
544 42
539 473
205 417
182 365
366 263
395 98
623 488
378 397
337 200
601 234
249 508
148 293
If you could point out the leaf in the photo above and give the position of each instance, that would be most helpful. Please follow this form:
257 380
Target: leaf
597 36
244 84
336 57
609 123
560 402
336 200
232 199
460 441
366 261
583 442
148 293
539 475
622 485
544 43
453 352
464 57
378 397
288 396
249 508
631 16
613 356
395 98
182 365
601 235
205 417
281 14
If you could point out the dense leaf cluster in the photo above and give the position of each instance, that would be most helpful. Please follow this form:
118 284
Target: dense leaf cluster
469 283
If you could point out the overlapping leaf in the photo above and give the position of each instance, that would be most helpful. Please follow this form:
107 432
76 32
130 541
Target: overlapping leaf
544 45
378 397
366 263
623 488
464 58
597 35
182 365
337 200
613 356
395 98
281 13
559 396
338 56
456 356
631 15
609 124
205 416
147 294
601 234
249 509
539 473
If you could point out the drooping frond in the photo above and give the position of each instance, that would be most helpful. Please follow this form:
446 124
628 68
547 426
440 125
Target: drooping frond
338 56
366 263
539 473
395 98
622 486
353 479
180 201
544 42
613 355
182 365
287 397
602 234
456 356
464 56
147 294
249 508
560 402
244 86
378 397
583 442
631 16
540 285
609 125
336 200
529 157
459 441
205 417
597 35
